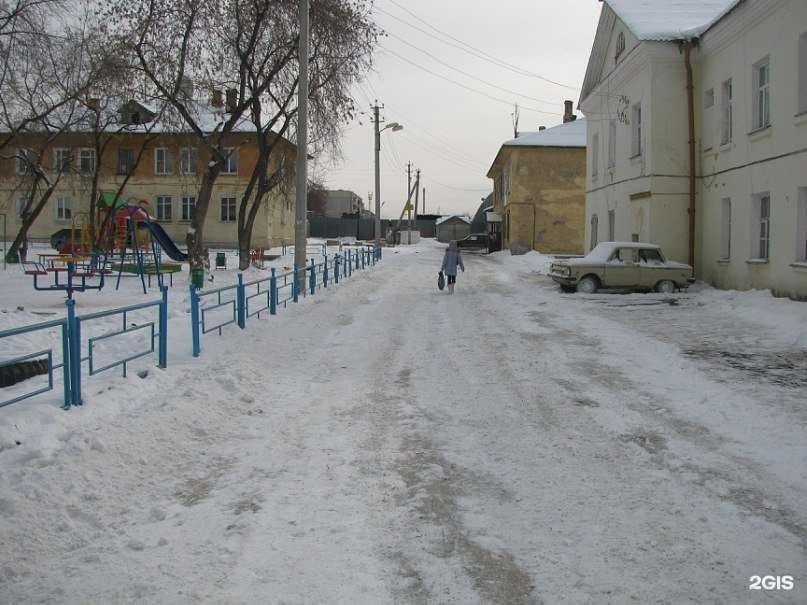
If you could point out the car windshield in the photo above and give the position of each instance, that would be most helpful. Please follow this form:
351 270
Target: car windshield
650 256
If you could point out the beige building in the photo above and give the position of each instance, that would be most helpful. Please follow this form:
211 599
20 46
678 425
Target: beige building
538 188
732 198
166 181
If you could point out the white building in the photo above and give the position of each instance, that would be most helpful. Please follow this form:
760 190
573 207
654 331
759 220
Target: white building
341 201
732 197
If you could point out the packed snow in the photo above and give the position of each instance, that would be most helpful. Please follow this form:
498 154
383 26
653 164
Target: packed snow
382 441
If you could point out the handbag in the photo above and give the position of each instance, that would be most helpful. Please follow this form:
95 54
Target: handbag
441 280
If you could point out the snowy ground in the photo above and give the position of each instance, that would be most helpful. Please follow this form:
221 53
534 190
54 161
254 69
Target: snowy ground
383 441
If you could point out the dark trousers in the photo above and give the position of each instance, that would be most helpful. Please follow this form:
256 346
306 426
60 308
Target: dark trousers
452 279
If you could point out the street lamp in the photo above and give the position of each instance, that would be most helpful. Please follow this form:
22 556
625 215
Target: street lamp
395 128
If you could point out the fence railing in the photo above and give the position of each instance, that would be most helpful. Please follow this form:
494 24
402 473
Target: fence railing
214 310
105 349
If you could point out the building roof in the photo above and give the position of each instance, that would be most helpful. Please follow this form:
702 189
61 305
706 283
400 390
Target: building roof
444 219
670 19
570 134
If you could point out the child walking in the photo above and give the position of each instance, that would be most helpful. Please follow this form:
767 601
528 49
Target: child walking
451 259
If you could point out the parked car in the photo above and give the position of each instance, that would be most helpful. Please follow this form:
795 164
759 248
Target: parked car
475 240
625 265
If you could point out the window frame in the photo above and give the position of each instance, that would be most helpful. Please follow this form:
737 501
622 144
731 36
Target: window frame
636 130
761 227
762 94
595 155
726 112
86 159
188 160
228 199
163 160
127 155
161 204
62 158
187 209
612 225
23 160
231 165
595 225
64 208
801 225
611 144
725 229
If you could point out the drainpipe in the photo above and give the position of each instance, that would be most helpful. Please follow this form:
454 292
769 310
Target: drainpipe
687 48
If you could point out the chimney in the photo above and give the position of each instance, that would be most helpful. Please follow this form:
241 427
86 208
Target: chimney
217 100
232 99
568 116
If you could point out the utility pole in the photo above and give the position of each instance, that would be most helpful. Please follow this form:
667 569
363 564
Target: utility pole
377 224
424 200
301 168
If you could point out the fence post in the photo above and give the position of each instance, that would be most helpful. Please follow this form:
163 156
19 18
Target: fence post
195 321
73 360
325 272
241 302
273 293
336 268
163 355
362 258
313 279
68 399
295 283
349 266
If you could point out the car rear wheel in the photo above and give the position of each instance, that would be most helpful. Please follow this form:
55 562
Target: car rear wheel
588 285
666 286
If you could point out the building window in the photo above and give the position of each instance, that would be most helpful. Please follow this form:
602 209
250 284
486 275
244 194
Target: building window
126 161
188 160
188 208
163 161
636 130
23 160
595 155
801 226
231 165
61 162
594 227
802 96
611 144
761 227
64 209
612 225
165 209
709 98
726 113
86 159
228 210
725 229
762 94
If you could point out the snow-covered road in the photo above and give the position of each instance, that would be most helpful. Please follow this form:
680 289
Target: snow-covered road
387 442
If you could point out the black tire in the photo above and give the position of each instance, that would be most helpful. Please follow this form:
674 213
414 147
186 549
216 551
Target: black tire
588 285
666 286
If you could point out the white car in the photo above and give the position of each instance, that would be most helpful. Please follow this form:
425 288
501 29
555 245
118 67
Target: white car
625 265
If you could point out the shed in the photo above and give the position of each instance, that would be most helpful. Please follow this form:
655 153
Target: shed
451 227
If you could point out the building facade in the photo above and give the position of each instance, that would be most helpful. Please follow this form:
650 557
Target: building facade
539 188
165 181
731 197
341 201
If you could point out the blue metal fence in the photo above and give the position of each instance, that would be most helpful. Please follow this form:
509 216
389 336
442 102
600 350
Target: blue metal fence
98 352
233 305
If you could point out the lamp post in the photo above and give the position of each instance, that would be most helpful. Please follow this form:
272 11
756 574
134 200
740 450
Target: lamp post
395 128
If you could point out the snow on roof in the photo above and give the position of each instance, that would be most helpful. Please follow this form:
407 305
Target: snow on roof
443 219
670 19
570 134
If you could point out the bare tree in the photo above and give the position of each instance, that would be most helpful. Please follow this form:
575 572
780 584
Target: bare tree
248 48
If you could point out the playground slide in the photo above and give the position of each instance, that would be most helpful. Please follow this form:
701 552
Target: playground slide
162 238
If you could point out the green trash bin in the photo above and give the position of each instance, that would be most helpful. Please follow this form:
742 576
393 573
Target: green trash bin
197 278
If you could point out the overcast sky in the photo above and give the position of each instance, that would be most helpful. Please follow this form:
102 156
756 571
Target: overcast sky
530 52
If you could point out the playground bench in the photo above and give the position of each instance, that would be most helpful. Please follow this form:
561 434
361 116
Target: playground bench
33 268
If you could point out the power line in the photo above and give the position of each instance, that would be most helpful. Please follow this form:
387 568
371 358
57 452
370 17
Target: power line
484 94
473 50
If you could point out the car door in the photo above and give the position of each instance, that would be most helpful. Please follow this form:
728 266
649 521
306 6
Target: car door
652 267
622 269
